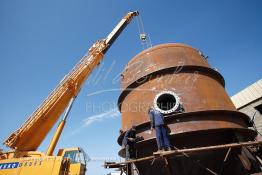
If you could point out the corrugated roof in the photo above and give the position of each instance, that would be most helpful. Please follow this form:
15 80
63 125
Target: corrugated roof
248 95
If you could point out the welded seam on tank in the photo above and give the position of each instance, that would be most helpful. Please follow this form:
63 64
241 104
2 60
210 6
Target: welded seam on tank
153 75
244 117
252 133
141 127
163 46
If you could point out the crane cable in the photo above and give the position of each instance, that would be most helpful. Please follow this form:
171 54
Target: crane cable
143 36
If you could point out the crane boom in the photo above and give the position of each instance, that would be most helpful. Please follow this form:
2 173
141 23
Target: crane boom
31 134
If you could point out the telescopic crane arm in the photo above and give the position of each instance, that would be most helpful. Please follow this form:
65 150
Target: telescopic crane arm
31 134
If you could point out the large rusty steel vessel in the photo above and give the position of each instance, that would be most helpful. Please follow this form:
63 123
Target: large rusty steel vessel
177 80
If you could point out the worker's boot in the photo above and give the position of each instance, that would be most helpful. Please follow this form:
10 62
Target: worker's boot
169 149
160 151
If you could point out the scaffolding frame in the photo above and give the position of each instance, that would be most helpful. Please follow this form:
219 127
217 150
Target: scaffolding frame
125 166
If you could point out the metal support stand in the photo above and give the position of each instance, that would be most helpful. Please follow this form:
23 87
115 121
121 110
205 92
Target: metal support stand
225 159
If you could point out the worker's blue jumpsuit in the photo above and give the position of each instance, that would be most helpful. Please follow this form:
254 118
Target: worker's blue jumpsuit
157 122
129 145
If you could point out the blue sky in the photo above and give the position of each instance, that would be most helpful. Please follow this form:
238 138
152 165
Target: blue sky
40 41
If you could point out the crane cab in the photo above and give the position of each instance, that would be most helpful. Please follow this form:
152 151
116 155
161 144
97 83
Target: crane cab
78 160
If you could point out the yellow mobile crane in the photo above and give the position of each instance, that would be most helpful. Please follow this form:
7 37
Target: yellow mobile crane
23 159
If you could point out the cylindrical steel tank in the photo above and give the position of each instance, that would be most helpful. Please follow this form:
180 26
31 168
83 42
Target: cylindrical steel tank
177 80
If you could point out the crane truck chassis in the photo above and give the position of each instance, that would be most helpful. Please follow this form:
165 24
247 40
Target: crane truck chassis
23 159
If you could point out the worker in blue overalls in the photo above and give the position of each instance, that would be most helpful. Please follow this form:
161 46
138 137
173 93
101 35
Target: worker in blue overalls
157 122
129 141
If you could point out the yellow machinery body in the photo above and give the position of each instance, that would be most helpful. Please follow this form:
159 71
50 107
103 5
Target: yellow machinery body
69 161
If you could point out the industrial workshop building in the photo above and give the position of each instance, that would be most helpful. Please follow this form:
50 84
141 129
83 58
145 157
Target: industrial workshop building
249 101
